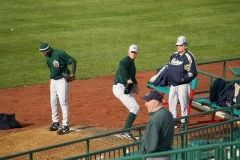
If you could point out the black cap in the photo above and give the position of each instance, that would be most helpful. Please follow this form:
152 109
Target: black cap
153 95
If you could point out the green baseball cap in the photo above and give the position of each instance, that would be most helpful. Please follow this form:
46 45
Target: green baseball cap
44 46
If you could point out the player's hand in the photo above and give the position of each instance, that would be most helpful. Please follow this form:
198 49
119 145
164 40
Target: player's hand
72 77
129 81
68 77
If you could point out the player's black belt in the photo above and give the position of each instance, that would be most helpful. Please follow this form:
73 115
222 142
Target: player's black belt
57 78
115 83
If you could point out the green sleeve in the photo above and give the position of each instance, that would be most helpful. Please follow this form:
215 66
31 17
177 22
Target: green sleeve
70 61
74 66
152 136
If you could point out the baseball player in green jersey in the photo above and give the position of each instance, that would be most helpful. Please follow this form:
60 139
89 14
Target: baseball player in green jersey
126 75
159 132
58 61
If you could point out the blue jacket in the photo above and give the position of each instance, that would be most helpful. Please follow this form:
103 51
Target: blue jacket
162 79
182 69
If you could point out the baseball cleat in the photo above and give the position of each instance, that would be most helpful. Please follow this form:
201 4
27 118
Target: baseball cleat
63 130
54 126
127 135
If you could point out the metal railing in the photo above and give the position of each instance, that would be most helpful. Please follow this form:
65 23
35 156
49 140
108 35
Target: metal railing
224 65
221 151
120 151
181 139
210 134
76 147
208 71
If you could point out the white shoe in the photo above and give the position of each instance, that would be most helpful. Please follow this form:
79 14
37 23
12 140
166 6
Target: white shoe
127 135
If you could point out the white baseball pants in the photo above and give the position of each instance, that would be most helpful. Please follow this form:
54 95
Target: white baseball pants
181 93
128 100
59 93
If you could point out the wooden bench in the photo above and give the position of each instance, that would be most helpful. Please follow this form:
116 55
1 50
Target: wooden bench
165 90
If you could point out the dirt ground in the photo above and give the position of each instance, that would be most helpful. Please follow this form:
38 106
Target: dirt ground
91 103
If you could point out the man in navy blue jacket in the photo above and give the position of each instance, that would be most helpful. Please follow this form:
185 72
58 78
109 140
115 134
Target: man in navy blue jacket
182 70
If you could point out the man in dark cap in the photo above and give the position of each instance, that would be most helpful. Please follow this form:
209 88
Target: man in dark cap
58 61
158 135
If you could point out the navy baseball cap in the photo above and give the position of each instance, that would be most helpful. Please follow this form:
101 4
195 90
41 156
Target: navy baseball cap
153 95
44 47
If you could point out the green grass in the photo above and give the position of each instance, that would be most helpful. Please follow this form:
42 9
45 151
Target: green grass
98 32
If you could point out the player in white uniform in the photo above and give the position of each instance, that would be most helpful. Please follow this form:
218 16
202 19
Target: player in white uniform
58 62
126 74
